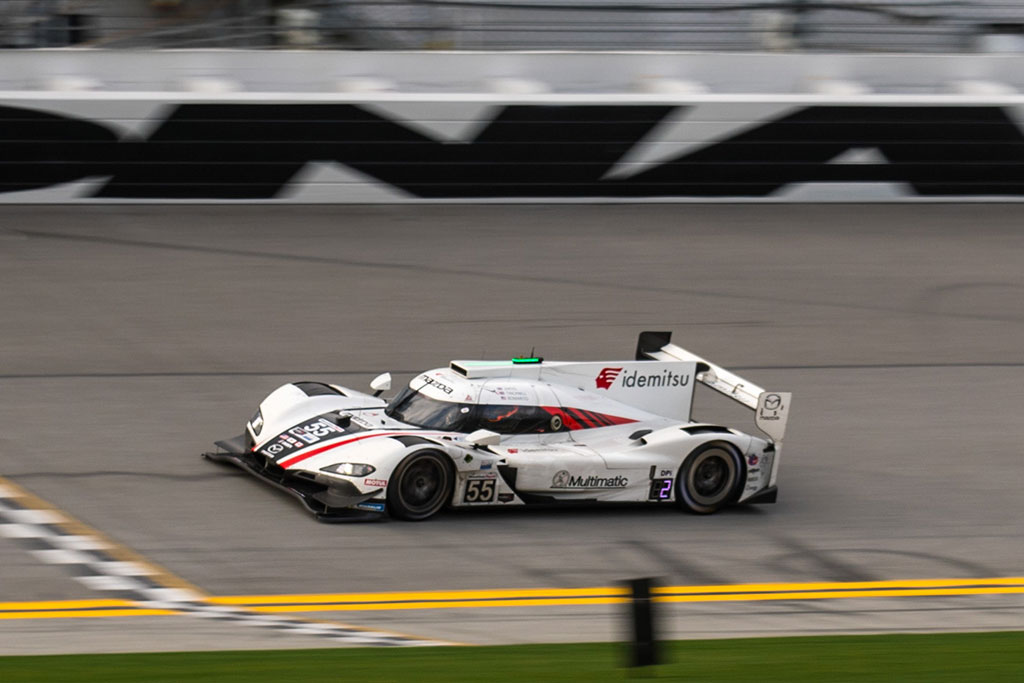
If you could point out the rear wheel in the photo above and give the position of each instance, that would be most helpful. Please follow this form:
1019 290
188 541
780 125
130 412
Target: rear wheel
709 478
421 485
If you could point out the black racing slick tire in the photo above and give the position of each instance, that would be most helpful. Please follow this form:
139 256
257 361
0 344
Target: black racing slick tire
709 478
421 485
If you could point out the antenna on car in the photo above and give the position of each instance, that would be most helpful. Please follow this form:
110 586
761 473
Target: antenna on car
528 359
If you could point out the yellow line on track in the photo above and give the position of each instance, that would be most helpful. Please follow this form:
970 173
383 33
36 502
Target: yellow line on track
607 594
531 597
63 604
525 597
87 614
421 595
845 585
454 604
614 599
832 595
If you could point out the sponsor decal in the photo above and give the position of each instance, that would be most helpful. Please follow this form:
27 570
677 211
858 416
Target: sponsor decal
665 473
661 489
606 377
301 436
371 506
363 422
376 482
513 451
506 497
754 470
630 379
752 459
304 435
315 431
771 407
480 490
665 378
487 465
564 480
438 384
511 394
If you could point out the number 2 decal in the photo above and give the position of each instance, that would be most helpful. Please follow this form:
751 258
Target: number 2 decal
661 489
480 491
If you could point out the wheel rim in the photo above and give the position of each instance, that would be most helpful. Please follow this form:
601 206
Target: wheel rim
711 477
423 484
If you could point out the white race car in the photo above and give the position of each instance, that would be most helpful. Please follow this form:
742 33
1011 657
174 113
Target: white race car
516 432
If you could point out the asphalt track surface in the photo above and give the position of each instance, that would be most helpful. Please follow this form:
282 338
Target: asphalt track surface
133 337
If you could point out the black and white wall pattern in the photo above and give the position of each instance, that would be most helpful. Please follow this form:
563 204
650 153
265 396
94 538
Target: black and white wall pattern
481 151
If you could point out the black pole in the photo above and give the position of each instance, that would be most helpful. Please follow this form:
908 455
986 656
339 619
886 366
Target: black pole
645 651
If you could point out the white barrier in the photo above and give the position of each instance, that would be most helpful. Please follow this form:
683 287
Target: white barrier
467 72
219 133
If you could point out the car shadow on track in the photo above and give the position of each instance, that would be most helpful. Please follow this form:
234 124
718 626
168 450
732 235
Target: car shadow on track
634 511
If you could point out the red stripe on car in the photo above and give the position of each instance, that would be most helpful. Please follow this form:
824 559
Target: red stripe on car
575 418
299 457
615 419
583 417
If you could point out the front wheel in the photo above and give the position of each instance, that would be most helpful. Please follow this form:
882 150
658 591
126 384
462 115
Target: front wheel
421 485
709 478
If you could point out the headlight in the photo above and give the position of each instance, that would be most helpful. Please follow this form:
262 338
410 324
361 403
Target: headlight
257 422
350 469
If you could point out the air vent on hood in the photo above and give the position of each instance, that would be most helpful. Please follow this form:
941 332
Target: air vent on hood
318 389
706 429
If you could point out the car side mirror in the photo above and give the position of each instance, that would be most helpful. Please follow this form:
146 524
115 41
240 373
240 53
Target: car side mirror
381 383
484 437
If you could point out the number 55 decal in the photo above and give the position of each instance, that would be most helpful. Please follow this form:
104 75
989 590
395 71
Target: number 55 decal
480 491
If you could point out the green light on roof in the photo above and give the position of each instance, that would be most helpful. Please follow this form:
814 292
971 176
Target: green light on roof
527 360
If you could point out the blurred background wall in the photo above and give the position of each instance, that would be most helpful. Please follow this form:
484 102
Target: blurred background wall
843 25
501 100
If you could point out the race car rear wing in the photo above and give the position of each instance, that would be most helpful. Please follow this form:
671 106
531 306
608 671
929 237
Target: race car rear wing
771 409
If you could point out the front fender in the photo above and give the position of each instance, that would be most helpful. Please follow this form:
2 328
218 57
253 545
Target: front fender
288 405
384 452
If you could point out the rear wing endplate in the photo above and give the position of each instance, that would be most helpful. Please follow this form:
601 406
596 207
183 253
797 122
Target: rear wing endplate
771 408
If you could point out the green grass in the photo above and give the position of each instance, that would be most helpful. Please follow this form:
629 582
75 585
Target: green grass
961 657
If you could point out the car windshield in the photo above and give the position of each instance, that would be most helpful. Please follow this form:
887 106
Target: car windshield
416 409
